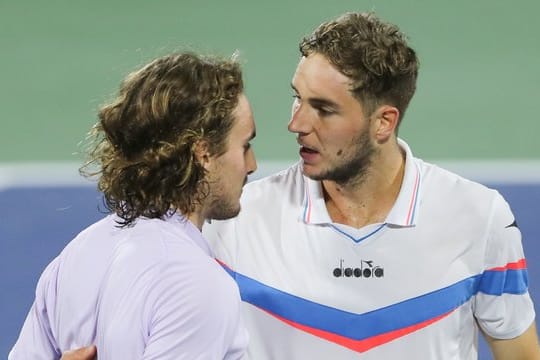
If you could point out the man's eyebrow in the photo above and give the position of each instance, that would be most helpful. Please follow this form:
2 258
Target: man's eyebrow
319 102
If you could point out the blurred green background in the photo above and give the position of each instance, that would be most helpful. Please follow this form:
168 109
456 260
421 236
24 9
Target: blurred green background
478 93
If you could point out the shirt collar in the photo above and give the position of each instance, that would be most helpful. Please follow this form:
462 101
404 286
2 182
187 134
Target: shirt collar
405 209
403 213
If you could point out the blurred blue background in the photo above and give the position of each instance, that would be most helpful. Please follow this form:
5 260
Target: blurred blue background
474 111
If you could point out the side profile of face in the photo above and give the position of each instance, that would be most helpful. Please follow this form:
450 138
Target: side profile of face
228 172
334 135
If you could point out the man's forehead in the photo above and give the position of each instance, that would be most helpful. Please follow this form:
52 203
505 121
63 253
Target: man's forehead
243 115
316 70
316 78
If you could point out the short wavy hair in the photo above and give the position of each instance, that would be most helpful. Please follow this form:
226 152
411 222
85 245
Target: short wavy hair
142 147
375 55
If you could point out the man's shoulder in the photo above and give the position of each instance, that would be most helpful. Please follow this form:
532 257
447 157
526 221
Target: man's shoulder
449 187
442 174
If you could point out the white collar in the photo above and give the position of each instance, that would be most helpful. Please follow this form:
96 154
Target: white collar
403 212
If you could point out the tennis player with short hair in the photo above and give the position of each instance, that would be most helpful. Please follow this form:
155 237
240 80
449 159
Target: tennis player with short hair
361 250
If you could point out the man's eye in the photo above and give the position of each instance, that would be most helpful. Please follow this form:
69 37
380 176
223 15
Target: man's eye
324 112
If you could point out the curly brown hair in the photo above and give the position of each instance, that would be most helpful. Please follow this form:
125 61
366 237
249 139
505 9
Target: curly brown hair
142 147
373 54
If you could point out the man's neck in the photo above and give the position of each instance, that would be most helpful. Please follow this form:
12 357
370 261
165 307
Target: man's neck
196 218
369 201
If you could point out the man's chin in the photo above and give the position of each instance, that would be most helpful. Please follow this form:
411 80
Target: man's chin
312 173
226 214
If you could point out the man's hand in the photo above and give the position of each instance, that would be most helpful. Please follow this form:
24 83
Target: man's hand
85 353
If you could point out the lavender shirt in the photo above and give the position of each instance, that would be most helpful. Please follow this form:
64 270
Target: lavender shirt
151 291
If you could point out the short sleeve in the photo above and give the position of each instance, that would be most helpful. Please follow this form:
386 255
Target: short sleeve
36 340
503 307
195 314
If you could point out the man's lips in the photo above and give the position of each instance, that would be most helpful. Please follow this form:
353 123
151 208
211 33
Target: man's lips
308 150
309 155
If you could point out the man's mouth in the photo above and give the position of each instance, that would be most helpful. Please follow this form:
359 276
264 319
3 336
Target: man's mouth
307 150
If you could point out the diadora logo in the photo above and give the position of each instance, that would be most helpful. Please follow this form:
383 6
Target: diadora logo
366 270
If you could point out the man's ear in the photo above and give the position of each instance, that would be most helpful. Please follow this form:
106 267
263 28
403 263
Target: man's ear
202 155
386 122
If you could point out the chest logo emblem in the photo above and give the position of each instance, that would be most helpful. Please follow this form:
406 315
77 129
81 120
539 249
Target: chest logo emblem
366 269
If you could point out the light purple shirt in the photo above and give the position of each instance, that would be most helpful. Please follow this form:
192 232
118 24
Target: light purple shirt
151 291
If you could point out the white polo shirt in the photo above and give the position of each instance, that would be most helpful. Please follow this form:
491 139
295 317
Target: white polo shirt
151 291
447 257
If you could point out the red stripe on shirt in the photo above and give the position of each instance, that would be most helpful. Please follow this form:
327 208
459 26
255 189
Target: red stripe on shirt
413 199
364 344
518 265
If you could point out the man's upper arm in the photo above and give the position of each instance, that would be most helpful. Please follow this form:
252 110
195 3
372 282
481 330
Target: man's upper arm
522 347
36 340
503 307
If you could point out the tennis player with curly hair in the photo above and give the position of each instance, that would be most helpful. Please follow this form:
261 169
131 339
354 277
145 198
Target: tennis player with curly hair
170 151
